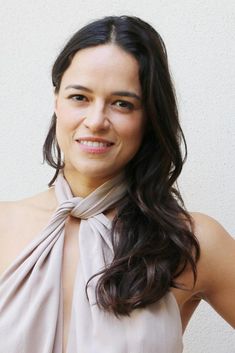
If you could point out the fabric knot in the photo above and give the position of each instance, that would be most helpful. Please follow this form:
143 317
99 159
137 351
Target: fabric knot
95 203
31 288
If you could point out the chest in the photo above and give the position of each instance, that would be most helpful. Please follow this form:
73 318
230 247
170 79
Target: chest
69 267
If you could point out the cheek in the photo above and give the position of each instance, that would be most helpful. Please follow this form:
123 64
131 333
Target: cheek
64 131
132 139
133 134
60 136
66 116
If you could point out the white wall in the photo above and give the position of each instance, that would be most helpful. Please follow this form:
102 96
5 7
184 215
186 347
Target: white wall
200 39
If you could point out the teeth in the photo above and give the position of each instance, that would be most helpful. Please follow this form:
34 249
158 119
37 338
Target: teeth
94 143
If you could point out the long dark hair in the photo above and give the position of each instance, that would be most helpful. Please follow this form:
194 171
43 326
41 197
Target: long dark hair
152 232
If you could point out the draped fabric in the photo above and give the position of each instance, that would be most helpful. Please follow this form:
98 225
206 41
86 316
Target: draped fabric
31 296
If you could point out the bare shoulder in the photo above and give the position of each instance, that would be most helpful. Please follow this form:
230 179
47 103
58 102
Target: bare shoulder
22 220
207 223
212 236
216 267
13 212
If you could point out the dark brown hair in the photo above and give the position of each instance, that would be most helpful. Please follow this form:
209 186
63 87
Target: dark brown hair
152 233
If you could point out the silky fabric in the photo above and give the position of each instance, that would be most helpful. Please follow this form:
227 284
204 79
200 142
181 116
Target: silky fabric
31 296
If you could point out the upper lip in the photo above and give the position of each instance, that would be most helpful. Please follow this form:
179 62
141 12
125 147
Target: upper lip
93 139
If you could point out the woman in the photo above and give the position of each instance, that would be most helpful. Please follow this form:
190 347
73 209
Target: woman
118 264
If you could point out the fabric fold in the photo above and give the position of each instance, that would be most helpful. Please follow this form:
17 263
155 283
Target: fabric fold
31 298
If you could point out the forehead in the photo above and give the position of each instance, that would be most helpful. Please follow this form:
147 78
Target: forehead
105 64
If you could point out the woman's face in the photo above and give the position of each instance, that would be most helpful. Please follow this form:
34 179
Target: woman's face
100 119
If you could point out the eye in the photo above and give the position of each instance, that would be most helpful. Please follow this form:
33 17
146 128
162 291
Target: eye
124 105
78 97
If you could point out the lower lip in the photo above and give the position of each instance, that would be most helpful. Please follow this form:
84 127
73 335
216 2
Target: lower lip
94 150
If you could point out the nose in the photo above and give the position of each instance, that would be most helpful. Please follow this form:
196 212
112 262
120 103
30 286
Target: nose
96 119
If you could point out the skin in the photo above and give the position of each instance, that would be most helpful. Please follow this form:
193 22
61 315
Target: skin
100 108
100 113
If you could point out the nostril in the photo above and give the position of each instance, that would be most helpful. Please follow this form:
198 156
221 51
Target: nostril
96 124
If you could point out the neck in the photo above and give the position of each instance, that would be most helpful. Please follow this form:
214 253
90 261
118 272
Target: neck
82 185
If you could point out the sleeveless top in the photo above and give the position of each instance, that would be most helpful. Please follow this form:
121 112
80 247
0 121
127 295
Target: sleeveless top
31 302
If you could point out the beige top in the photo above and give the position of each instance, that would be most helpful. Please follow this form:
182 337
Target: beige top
31 303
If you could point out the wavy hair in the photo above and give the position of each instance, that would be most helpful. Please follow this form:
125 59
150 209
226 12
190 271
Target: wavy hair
152 232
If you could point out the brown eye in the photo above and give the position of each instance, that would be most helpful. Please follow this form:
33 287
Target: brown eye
124 105
78 97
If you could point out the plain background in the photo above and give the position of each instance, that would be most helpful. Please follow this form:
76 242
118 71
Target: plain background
200 39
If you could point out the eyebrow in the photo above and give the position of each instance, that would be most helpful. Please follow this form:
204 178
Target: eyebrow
116 93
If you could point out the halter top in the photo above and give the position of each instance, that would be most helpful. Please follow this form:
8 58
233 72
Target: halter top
31 302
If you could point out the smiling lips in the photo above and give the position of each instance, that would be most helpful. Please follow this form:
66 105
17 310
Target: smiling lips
94 145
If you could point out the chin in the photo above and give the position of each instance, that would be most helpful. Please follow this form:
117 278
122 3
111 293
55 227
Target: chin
99 174
91 172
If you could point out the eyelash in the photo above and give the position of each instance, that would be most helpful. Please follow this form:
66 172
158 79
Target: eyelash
127 105
77 95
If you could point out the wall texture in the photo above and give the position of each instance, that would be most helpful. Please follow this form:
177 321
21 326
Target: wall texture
200 38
